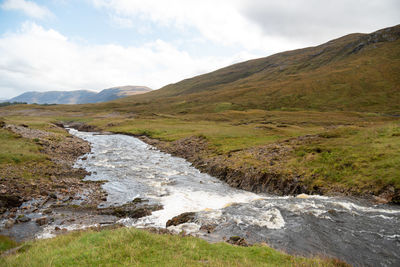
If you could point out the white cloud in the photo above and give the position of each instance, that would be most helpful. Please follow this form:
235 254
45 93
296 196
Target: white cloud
264 25
121 22
39 59
221 21
30 8
316 21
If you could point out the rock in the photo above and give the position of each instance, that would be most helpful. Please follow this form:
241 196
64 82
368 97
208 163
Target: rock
238 241
132 213
303 196
80 126
182 218
208 228
106 222
132 210
47 211
2 124
23 219
9 223
234 238
138 200
380 200
10 201
52 195
41 221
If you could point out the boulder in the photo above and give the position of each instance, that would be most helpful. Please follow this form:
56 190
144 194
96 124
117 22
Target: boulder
42 221
132 210
9 223
303 196
238 241
10 201
182 218
23 219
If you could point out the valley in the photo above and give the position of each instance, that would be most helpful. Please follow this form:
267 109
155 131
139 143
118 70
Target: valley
321 123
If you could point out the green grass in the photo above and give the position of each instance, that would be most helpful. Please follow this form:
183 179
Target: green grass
17 150
363 159
132 247
6 243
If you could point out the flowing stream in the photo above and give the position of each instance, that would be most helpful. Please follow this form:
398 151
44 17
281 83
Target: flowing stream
358 233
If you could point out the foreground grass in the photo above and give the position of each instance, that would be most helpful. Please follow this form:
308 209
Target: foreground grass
132 247
6 243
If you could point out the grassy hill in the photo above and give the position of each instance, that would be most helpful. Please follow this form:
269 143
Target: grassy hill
357 72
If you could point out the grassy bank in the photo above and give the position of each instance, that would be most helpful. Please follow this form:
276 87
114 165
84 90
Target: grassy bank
132 247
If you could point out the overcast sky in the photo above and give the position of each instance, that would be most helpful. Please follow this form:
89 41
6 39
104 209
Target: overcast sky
97 44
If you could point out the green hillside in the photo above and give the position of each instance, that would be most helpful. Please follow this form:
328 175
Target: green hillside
357 72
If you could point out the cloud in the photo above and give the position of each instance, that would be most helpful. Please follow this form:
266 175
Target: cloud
221 22
30 8
42 59
263 25
121 22
317 21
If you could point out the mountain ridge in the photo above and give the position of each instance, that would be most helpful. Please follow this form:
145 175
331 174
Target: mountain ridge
79 96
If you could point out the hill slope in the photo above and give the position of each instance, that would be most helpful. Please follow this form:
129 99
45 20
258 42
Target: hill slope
357 72
79 96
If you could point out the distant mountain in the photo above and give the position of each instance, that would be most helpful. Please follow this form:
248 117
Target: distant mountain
79 96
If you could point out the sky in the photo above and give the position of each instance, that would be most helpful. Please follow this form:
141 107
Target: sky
97 44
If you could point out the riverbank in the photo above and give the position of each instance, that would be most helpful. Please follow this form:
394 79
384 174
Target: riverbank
38 164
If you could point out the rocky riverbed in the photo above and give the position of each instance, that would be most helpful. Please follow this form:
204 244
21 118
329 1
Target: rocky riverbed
57 199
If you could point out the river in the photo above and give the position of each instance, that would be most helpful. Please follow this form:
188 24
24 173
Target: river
357 232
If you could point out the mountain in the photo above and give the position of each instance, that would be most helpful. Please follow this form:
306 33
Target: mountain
79 96
357 72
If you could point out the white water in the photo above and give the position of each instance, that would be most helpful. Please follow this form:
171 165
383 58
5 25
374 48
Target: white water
172 182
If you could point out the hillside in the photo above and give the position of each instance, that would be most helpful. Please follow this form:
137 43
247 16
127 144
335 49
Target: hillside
357 72
79 96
